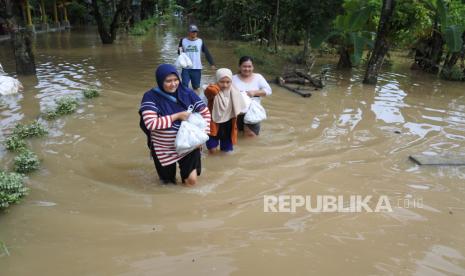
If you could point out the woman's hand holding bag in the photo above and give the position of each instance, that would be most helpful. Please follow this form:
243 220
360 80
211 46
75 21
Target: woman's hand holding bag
255 114
191 133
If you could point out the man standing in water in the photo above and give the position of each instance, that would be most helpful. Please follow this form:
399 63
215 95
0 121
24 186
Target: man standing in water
192 46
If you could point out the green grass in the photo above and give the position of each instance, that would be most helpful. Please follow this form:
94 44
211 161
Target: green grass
35 129
12 189
265 59
64 106
26 162
142 27
91 92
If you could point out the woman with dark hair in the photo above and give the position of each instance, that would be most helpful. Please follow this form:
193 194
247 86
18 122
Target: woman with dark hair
255 86
162 110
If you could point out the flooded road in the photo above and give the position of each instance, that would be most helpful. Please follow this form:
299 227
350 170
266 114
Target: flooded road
96 207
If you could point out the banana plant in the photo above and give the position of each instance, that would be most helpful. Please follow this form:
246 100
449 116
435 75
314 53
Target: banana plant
451 32
353 32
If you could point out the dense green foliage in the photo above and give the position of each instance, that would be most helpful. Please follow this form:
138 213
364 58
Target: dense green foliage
91 92
64 106
142 27
12 188
34 129
26 161
15 143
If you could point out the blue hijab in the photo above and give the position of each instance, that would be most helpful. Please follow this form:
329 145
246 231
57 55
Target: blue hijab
182 95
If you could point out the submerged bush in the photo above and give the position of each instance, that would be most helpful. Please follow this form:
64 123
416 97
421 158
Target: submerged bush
15 143
27 161
142 27
34 129
64 106
91 92
454 74
12 188
137 30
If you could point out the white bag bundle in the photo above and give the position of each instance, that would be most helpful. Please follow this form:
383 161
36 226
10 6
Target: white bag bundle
255 114
183 61
197 120
247 101
191 134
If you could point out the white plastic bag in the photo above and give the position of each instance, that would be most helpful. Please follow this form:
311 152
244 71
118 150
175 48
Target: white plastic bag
183 61
197 120
255 114
247 101
191 133
9 85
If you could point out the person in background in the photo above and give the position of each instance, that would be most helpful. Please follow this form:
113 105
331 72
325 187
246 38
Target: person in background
255 86
161 112
225 103
192 46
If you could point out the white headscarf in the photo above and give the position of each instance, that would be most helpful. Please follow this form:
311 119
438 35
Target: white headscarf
228 103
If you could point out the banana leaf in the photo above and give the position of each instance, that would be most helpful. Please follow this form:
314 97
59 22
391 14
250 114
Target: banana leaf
358 41
453 38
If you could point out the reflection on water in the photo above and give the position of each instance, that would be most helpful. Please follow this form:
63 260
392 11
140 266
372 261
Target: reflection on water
96 207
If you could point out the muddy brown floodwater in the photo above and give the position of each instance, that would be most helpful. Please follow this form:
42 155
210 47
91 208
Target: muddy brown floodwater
96 207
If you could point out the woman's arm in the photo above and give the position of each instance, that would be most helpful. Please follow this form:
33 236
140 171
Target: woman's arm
152 121
264 87
211 91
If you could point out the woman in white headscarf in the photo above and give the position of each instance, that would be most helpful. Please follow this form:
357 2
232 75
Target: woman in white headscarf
225 102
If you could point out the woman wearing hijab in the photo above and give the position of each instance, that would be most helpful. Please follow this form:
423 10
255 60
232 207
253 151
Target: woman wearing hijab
162 109
225 103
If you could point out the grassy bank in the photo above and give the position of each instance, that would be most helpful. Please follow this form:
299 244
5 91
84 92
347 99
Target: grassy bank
142 27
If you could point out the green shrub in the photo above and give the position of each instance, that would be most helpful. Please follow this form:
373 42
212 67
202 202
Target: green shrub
91 92
15 143
260 56
12 188
64 106
34 129
454 74
264 58
142 27
137 31
27 161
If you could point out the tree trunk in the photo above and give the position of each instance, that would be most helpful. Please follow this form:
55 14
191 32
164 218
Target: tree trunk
306 53
20 39
44 12
108 33
344 59
381 44
22 48
275 27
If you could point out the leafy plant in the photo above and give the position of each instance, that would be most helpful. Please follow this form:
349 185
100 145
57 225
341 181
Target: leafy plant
12 188
64 106
91 92
27 161
450 29
35 129
4 248
453 74
15 143
353 32
142 27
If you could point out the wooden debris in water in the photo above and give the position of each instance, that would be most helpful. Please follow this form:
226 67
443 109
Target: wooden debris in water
439 160
301 82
